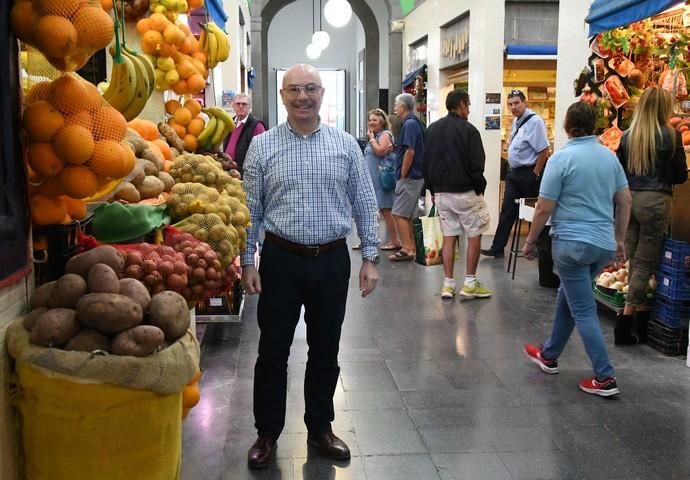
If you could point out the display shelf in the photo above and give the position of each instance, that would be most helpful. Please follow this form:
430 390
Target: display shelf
229 317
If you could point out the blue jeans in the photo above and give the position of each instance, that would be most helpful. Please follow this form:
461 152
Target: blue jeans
577 264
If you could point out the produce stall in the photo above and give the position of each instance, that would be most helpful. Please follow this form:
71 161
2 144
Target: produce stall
136 220
635 45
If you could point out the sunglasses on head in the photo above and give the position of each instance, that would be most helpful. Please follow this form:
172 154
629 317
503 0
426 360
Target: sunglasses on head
516 93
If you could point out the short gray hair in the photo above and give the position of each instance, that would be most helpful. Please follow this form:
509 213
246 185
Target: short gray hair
245 96
406 100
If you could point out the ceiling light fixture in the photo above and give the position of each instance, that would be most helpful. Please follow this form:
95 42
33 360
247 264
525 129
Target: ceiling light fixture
337 12
321 38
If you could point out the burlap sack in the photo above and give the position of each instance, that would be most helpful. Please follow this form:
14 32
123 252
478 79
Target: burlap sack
164 372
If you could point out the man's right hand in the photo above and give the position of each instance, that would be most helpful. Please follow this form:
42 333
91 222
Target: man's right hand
251 280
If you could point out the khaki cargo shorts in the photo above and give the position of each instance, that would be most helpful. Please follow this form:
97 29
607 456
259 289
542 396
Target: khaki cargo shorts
462 212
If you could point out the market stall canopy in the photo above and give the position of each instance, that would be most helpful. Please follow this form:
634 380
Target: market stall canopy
216 12
410 78
531 52
606 15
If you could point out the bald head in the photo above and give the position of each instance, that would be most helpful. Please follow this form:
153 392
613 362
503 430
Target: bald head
301 74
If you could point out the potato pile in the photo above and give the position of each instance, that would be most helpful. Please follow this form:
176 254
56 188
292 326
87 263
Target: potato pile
158 267
194 168
91 309
216 218
203 264
147 179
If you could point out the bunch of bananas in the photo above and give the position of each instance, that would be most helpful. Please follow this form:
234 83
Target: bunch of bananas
219 126
132 81
214 43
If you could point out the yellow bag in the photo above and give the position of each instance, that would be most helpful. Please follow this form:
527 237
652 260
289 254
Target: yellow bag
87 431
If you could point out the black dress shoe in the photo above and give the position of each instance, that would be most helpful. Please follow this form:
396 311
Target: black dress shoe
329 445
261 453
622 332
487 252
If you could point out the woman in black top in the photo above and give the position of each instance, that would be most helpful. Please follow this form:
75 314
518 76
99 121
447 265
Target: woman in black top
653 159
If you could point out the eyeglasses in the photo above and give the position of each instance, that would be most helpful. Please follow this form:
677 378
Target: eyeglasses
241 104
311 89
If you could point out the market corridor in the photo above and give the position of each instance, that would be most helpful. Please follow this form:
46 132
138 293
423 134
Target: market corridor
434 389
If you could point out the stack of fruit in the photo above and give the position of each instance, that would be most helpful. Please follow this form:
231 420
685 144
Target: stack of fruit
214 42
180 61
186 121
172 8
74 144
219 126
67 32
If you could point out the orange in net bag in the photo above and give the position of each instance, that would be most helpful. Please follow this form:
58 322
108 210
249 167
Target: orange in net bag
73 138
68 32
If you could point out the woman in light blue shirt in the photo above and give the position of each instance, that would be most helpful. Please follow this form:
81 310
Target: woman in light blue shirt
582 184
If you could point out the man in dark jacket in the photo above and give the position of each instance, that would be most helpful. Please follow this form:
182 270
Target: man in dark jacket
454 172
246 128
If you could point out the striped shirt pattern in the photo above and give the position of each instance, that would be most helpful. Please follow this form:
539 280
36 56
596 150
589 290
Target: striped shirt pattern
307 188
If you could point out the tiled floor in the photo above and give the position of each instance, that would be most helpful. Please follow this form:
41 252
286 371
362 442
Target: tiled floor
434 389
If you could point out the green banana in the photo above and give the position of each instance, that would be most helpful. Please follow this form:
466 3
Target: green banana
218 134
142 92
220 113
122 87
208 130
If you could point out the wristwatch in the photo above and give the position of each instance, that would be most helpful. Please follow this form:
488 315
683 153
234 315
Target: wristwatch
373 259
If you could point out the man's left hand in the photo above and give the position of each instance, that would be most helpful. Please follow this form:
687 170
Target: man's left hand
368 276
529 251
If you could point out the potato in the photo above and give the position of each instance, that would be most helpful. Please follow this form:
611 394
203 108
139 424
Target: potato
67 291
31 317
82 263
103 279
169 311
89 340
55 328
134 289
41 295
128 192
151 187
109 312
137 175
139 341
167 180
148 166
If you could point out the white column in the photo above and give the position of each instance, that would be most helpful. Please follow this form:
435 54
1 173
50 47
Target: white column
573 52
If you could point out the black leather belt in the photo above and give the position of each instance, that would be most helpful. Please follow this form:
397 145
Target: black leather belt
304 250
523 167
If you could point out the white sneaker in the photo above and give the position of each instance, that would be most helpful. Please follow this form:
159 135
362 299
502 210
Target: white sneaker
448 291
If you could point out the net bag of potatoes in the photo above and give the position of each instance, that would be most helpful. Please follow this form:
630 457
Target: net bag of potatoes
85 416
67 32
73 141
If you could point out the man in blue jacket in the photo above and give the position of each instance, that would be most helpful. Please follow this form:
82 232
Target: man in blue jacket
454 172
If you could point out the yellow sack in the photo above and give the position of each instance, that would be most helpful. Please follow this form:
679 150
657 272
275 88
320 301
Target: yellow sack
87 431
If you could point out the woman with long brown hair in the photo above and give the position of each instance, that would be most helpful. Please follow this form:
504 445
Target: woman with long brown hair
653 159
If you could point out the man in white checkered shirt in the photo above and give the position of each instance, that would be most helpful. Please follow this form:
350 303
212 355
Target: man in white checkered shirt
305 181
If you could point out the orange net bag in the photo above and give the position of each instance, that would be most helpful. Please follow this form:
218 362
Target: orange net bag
67 32
73 140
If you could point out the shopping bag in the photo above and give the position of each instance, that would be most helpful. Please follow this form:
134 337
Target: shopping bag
428 239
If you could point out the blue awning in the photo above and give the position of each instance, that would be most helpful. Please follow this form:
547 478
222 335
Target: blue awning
410 78
216 12
531 51
606 15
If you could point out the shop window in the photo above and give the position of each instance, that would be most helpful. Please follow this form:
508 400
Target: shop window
417 53
455 42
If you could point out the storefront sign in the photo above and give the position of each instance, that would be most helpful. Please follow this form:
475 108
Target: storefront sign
492 111
455 41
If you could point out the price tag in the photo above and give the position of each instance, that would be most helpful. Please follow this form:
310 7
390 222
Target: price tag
667 282
668 255
215 302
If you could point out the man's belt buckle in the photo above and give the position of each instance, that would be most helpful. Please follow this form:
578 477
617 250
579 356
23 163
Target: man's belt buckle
315 250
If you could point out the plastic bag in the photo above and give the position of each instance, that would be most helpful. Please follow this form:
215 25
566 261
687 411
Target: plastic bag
428 238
